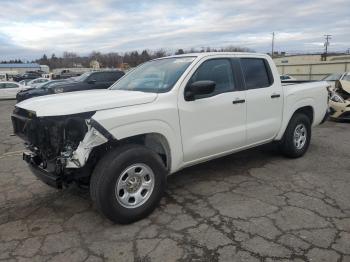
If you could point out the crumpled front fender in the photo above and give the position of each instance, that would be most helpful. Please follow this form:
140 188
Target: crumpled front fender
93 138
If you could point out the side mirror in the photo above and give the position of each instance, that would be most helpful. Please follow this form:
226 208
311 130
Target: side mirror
92 81
199 88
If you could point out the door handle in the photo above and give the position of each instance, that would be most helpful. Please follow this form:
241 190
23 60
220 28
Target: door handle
238 101
275 95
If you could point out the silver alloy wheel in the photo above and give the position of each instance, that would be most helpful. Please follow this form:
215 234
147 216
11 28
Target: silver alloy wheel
300 136
134 185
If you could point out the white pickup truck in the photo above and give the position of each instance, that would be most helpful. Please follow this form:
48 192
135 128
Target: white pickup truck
165 115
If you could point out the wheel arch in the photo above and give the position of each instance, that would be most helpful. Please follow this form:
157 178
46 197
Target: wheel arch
153 141
156 134
308 110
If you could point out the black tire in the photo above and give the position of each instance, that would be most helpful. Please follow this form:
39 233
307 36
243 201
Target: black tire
287 145
105 177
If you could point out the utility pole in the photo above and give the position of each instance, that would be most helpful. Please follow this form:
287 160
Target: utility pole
272 44
326 44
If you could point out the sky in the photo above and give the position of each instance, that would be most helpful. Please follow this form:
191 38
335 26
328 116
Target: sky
30 28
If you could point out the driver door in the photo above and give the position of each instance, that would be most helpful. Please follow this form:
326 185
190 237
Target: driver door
213 124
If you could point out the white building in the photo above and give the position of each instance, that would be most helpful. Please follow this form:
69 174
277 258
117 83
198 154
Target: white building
311 67
13 69
309 59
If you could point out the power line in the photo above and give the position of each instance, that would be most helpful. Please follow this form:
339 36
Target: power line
326 44
273 43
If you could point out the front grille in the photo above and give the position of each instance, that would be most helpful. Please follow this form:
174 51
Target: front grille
21 126
18 125
44 134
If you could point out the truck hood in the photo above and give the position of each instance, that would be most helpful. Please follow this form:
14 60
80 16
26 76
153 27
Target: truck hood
84 101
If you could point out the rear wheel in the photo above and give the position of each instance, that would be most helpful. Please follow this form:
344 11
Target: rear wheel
297 136
128 183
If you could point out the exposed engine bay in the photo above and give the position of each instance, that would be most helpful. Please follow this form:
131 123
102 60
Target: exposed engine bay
59 145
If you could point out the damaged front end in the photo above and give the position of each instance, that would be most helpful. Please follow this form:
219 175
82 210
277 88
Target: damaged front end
339 101
59 148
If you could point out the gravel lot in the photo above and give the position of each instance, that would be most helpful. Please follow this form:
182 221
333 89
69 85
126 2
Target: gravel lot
251 206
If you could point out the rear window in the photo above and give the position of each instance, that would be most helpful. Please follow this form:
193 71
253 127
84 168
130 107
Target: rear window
257 73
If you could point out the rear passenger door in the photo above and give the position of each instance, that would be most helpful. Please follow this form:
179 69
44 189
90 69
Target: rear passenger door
264 100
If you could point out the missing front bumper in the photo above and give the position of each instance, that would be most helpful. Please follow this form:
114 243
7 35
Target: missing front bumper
49 178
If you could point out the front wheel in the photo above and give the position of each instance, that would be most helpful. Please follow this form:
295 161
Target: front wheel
128 183
297 136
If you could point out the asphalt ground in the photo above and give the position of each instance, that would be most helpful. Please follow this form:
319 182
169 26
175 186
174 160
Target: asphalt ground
252 206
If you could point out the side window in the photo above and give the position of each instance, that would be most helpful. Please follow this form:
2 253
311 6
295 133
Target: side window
11 85
99 77
113 76
217 70
257 73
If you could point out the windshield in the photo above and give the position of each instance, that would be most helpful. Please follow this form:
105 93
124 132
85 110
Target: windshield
347 77
156 76
332 77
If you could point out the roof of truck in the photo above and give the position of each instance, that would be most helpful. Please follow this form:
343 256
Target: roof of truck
206 54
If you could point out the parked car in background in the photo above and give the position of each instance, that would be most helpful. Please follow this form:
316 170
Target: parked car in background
163 116
8 90
286 78
39 90
66 73
87 81
4 77
24 82
37 81
27 75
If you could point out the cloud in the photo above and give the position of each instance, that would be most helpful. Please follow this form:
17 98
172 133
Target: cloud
30 28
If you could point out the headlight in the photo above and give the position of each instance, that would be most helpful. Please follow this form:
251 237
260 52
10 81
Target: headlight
58 90
336 98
